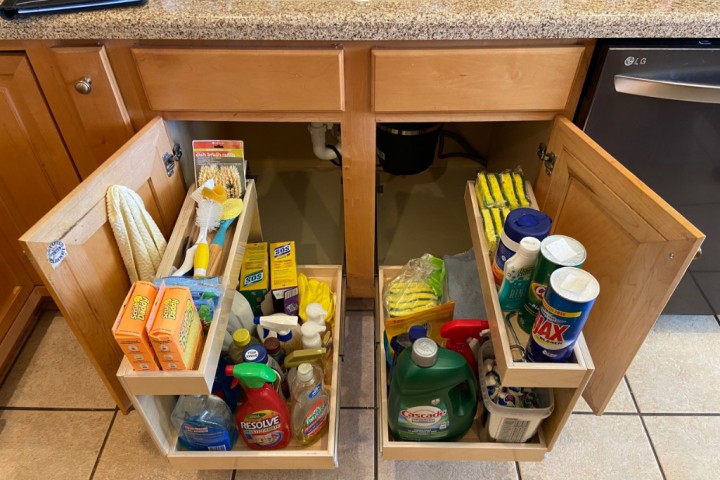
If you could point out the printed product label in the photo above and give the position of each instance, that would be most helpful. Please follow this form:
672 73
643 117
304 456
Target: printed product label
502 255
139 308
262 428
315 390
552 329
423 421
281 251
199 437
315 421
253 278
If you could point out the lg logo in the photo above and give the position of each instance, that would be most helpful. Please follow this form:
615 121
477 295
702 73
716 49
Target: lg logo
630 61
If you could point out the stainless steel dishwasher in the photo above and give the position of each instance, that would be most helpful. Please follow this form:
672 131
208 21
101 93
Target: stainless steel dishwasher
656 108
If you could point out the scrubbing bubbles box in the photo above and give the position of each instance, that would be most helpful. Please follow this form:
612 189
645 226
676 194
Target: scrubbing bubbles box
175 329
129 329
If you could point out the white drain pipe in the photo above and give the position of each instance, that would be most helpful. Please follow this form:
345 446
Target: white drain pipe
317 135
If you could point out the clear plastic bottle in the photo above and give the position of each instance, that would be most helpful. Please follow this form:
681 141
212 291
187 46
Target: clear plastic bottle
204 422
310 405
241 340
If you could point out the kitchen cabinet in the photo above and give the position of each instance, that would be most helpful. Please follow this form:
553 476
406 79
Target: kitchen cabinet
36 173
638 249
636 239
91 282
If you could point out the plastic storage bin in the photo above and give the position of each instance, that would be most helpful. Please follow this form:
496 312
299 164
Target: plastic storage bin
509 424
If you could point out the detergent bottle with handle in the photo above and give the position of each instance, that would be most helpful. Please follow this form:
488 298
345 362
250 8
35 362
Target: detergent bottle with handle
263 419
433 394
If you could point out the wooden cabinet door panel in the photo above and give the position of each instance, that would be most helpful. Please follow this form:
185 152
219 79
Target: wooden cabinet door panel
90 284
638 248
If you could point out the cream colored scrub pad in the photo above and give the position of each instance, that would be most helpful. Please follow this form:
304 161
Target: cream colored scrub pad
139 239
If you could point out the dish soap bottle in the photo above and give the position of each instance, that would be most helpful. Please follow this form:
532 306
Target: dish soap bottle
517 273
263 419
433 395
310 405
204 422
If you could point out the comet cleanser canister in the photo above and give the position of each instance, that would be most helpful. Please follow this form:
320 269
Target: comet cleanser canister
566 305
556 251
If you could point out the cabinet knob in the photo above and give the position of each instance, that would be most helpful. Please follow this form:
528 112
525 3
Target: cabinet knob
84 85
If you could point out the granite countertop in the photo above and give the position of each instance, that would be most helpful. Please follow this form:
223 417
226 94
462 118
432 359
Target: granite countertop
380 20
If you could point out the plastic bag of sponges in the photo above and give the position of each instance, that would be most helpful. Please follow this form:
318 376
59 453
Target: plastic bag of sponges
416 297
497 195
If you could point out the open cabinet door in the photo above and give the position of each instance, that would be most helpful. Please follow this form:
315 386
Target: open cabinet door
638 248
91 282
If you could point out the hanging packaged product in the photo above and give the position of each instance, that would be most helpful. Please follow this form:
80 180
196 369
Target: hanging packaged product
263 419
130 330
310 405
283 278
433 395
224 162
520 223
566 305
556 251
204 422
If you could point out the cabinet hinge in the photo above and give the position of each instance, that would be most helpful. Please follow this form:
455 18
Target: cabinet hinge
169 159
548 158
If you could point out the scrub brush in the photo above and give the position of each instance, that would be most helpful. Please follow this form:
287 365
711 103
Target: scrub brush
232 208
207 217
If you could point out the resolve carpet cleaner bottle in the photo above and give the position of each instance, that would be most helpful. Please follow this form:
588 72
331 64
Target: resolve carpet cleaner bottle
433 394
263 419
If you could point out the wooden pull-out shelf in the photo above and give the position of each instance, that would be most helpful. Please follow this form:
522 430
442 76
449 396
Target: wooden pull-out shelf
569 375
197 382
156 410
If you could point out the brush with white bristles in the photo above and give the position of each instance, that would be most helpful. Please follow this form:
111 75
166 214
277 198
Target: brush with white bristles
207 217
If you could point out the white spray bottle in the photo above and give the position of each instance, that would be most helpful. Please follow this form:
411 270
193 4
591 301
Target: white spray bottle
285 327
311 335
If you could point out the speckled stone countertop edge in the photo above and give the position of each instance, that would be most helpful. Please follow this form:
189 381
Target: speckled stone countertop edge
376 20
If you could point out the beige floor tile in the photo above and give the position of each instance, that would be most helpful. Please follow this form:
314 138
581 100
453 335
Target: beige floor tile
53 371
356 447
50 445
357 379
131 453
416 470
424 213
677 366
620 402
598 448
686 446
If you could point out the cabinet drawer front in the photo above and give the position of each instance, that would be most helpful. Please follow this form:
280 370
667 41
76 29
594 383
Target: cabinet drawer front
241 80
474 80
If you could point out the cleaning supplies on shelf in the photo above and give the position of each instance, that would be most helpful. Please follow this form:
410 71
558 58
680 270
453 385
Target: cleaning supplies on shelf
232 208
458 332
311 335
263 419
207 217
433 395
254 275
310 405
205 292
312 290
400 343
315 356
285 327
520 223
130 330
517 273
241 339
226 388
275 350
283 277
204 422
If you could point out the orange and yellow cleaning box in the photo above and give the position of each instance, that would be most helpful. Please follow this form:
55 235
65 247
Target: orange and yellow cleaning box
129 328
174 329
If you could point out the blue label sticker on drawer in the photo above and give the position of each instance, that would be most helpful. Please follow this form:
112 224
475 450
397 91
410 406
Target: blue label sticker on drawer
56 253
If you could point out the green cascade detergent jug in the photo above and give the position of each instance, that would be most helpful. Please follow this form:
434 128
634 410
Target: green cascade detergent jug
433 394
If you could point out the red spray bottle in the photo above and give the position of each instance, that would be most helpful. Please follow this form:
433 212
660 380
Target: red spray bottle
263 419
457 333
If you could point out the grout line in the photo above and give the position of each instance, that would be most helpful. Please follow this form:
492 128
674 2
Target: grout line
610 414
632 394
57 409
652 447
517 470
102 447
233 475
353 407
664 414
